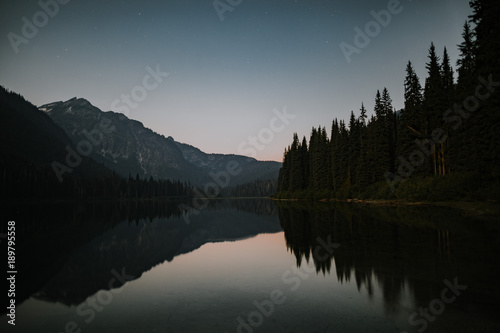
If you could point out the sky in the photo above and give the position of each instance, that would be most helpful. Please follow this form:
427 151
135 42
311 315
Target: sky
226 76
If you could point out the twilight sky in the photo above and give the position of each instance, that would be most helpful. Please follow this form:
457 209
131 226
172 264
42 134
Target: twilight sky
220 80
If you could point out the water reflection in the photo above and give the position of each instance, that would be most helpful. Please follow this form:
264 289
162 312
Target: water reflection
401 249
368 268
67 251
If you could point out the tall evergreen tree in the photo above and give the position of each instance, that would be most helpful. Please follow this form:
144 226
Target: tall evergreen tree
466 62
319 160
411 123
434 106
379 106
448 79
354 147
334 154
381 135
363 172
390 129
486 119
297 181
304 156
461 147
326 157
339 154
284 173
363 117
442 150
487 28
343 157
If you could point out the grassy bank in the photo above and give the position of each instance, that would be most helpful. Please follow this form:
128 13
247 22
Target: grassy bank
471 192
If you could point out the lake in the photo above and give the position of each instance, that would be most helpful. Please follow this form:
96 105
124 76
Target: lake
253 265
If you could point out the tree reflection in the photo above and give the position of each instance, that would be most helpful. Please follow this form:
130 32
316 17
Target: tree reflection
401 248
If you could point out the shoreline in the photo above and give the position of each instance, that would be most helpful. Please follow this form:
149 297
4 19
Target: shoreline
474 208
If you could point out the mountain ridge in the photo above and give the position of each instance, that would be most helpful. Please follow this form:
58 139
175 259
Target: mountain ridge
131 148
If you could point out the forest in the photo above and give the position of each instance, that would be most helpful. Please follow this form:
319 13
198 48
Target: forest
443 145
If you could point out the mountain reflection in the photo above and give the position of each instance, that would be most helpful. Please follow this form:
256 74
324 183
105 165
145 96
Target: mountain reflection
69 255
405 249
399 255
48 234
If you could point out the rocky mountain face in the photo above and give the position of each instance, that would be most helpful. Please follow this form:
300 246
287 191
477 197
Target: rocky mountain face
127 147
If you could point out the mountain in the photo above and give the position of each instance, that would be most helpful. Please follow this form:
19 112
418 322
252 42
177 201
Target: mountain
251 169
127 147
30 143
38 160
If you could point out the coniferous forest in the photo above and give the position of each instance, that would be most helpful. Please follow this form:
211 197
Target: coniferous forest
444 144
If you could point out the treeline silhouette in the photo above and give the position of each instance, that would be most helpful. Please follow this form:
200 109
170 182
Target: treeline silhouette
444 144
35 181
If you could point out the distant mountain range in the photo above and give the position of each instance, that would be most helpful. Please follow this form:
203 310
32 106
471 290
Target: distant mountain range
127 147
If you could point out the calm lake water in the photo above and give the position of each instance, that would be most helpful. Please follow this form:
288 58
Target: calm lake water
253 266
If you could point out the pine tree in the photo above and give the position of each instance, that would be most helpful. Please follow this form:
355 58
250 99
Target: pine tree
319 160
297 181
448 79
410 128
448 99
284 173
363 174
363 117
304 156
381 135
342 158
354 147
379 106
391 130
434 106
466 62
486 120
460 145
326 157
487 28
334 155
